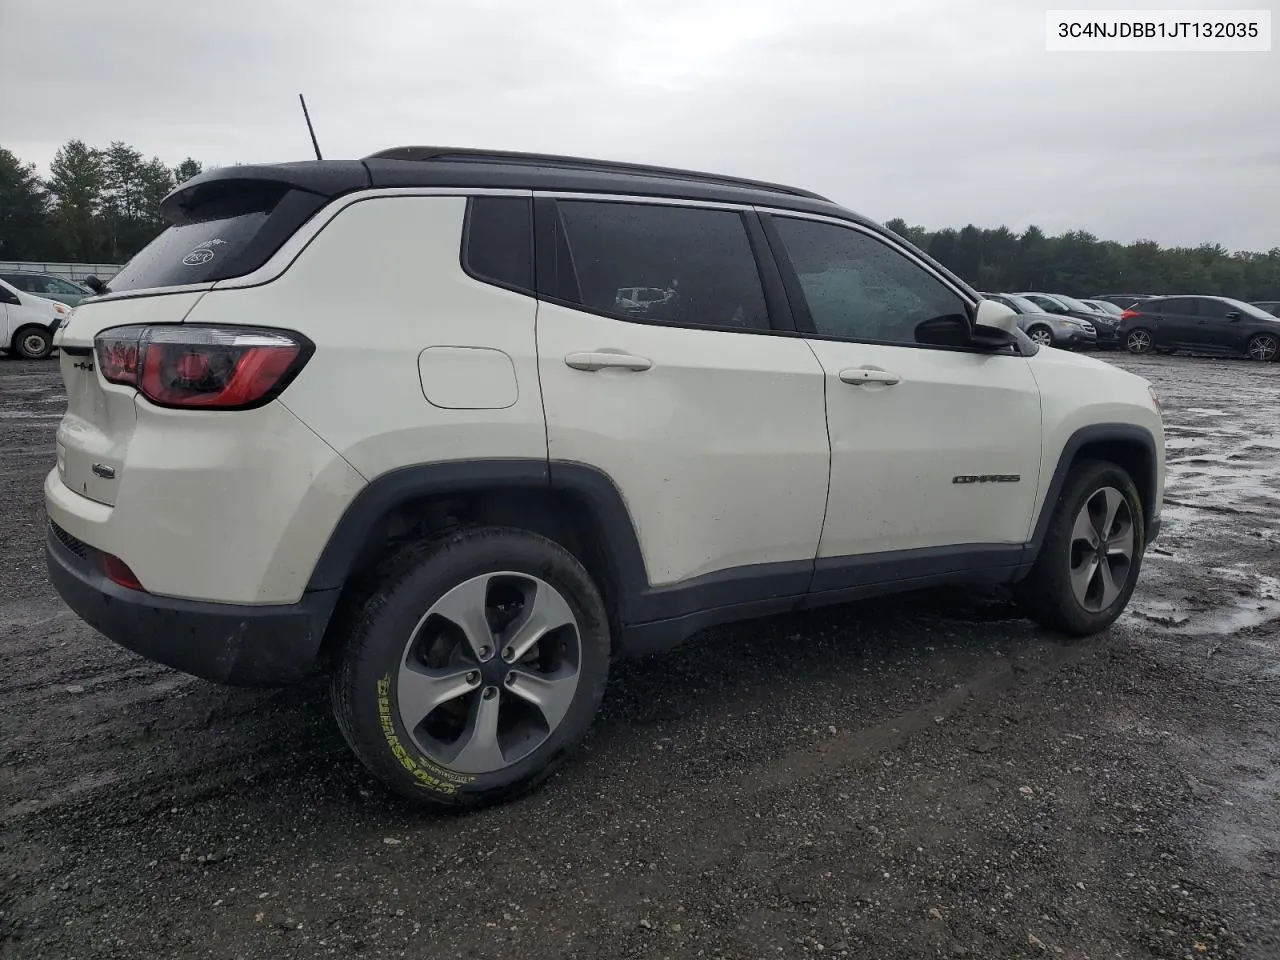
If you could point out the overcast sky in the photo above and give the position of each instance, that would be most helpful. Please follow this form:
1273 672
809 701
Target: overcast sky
943 112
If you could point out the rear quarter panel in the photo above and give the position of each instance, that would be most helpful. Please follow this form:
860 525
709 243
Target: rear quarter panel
375 288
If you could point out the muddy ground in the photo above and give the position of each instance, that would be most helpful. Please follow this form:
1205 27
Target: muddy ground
930 777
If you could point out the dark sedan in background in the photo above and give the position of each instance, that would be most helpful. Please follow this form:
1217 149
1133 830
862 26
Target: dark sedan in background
1217 325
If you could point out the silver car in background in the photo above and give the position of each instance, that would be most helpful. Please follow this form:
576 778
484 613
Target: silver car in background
1047 329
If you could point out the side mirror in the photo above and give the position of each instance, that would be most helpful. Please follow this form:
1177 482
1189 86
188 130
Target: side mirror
949 330
96 285
993 316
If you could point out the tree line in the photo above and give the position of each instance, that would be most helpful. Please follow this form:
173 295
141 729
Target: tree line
98 205
101 205
1078 264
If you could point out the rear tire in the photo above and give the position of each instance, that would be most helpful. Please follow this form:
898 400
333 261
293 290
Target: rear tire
1264 347
1139 340
1091 556
33 343
436 691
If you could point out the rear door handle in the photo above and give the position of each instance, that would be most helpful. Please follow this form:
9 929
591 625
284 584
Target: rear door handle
863 375
600 360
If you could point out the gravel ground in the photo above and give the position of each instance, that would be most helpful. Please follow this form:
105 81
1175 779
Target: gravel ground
928 777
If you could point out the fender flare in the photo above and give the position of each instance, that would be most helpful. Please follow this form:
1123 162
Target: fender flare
591 489
1126 433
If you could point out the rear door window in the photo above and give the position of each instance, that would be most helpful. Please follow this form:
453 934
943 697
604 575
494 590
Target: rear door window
661 264
1175 306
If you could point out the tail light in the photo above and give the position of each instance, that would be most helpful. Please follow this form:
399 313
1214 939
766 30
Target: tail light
1129 313
195 367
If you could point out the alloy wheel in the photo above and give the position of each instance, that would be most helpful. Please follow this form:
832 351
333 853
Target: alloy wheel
1139 341
489 672
1042 337
1103 543
1264 347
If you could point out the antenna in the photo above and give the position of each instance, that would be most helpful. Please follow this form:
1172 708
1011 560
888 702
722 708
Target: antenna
310 129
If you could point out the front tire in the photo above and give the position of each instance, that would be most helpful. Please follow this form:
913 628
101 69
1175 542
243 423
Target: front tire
1091 556
474 665
33 343
1041 335
1264 347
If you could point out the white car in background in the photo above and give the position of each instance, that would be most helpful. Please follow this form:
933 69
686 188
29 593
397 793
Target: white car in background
28 322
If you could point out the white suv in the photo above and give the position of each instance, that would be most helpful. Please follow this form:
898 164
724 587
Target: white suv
391 419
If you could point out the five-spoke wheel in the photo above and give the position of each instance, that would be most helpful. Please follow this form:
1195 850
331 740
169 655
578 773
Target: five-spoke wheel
1139 341
1264 346
1102 545
489 672
1087 564
474 664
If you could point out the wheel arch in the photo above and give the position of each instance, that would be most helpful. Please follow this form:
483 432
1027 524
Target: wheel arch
577 506
1127 445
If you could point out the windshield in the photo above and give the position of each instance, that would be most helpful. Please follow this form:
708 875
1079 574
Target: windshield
1105 307
1248 309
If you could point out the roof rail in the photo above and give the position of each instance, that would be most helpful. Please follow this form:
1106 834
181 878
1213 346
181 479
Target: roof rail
468 155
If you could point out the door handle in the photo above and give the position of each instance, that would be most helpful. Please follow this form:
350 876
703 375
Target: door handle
864 375
600 360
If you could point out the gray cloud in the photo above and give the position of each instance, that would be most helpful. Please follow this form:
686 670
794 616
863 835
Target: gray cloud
943 112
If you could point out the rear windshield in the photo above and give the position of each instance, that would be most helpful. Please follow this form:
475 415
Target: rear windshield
1074 304
229 230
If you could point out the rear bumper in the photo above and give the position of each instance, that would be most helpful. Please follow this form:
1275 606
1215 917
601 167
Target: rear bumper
236 644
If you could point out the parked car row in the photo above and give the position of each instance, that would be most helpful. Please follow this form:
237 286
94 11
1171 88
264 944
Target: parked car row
1202 324
1054 320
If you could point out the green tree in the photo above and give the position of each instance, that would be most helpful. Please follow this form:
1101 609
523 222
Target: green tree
76 184
156 181
187 169
24 218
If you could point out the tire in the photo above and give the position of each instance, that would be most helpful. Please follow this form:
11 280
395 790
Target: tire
33 343
1139 340
403 643
1052 593
1041 335
1264 347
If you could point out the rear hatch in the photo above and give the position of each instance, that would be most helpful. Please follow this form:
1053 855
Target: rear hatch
223 224
95 432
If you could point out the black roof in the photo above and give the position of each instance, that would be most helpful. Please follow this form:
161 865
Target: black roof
461 167
469 168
